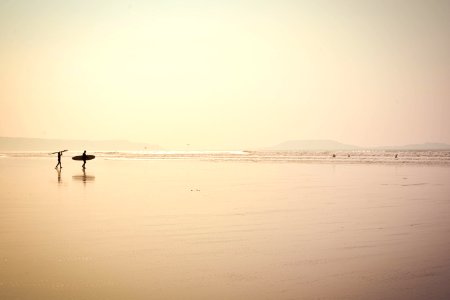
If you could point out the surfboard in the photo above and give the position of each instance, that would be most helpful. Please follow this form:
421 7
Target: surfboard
58 151
80 157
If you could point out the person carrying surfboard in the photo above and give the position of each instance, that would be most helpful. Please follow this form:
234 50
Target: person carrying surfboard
60 153
59 160
84 159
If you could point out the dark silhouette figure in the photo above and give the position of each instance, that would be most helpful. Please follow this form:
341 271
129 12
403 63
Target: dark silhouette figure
334 155
59 160
84 160
396 155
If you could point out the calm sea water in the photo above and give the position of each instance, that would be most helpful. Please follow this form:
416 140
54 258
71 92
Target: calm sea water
395 157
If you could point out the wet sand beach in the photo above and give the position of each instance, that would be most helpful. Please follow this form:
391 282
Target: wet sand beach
191 229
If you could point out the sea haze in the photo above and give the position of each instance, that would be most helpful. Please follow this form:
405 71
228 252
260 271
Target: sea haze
51 145
330 145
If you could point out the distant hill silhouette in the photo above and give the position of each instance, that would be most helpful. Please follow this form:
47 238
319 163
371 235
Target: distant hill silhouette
32 144
330 145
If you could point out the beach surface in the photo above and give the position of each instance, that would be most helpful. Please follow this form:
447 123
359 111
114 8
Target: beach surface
193 229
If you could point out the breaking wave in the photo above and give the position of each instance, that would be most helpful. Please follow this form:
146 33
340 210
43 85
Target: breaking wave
399 157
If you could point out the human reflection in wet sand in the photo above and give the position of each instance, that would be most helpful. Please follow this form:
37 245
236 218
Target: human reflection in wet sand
59 174
84 177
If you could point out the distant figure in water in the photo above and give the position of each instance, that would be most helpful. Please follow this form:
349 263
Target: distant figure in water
334 155
59 160
348 155
84 160
396 155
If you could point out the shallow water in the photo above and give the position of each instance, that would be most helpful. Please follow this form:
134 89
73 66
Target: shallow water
171 229
335 157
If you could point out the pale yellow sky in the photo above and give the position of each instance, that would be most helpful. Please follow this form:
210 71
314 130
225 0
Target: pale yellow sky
226 74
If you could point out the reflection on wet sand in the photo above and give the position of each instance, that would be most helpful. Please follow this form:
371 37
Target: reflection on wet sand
83 177
59 175
251 231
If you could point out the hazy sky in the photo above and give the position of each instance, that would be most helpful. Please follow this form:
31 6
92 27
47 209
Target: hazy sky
226 74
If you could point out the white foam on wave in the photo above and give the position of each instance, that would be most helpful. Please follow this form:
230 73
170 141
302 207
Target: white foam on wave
174 152
369 157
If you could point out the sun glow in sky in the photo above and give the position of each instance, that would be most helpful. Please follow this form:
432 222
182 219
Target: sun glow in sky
226 74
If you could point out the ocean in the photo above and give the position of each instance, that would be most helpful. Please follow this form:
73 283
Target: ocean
346 157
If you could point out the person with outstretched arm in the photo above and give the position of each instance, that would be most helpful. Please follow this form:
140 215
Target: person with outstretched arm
60 153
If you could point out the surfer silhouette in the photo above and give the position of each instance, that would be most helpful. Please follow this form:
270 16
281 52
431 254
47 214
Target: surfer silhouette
59 160
84 160
83 157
